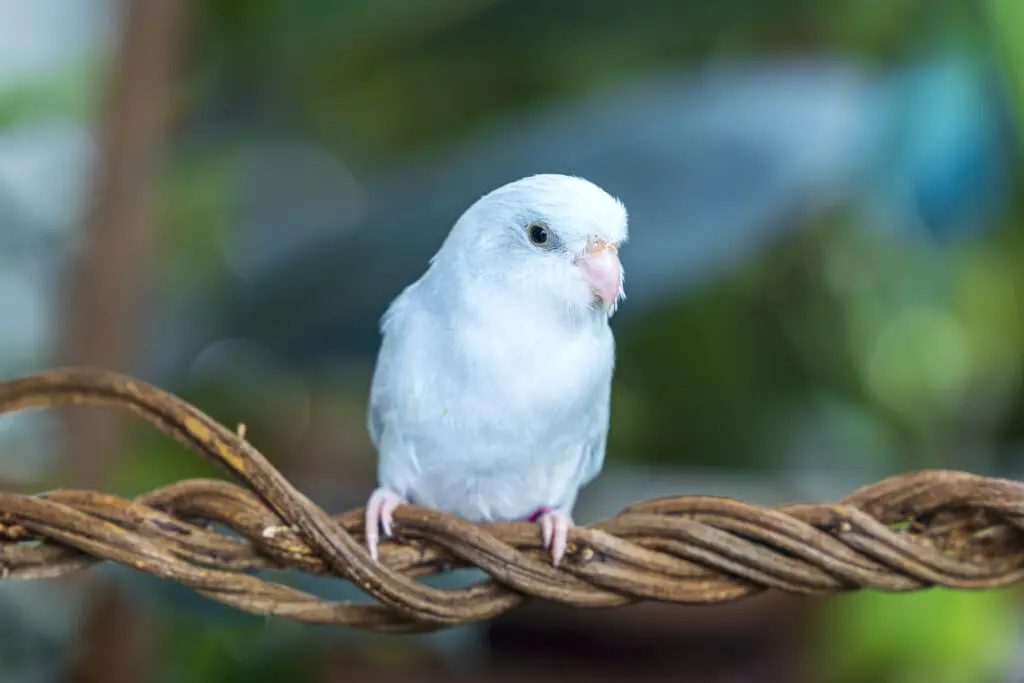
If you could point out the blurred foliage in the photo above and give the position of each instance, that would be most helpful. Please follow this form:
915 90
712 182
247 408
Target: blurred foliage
197 186
835 312
1004 21
202 649
941 636
378 79
69 96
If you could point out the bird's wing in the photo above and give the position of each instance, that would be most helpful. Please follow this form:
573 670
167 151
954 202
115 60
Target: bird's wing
395 460
386 420
375 422
596 440
382 387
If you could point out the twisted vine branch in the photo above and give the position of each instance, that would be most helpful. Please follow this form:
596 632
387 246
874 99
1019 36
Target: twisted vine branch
902 534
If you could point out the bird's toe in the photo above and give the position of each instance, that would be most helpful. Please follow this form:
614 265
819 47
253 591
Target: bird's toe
554 529
379 515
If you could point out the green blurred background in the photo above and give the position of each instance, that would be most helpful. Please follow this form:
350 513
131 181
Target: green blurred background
825 278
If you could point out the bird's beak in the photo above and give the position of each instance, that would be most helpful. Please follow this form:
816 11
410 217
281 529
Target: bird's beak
600 264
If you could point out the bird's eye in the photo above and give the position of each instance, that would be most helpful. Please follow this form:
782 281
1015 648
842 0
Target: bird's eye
538 234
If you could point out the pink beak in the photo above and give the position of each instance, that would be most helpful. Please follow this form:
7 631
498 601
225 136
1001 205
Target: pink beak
601 266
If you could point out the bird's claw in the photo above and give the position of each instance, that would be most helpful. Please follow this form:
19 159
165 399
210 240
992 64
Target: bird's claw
380 511
554 530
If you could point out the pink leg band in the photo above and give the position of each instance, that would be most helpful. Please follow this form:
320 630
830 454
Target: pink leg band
540 511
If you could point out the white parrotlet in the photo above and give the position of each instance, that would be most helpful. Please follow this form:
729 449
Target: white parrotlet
492 388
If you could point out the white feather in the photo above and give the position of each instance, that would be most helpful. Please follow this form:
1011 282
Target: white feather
490 397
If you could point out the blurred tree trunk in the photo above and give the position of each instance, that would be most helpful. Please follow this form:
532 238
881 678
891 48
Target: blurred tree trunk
108 278
107 283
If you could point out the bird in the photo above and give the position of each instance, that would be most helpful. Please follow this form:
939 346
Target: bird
491 391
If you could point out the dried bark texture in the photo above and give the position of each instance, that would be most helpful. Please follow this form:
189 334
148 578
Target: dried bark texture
905 533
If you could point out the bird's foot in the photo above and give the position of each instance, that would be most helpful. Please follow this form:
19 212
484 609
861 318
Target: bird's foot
379 515
554 529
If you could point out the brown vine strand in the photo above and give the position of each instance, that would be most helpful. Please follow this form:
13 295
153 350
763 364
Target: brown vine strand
904 533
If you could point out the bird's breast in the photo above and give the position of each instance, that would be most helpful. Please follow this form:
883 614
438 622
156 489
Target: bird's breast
491 421
531 372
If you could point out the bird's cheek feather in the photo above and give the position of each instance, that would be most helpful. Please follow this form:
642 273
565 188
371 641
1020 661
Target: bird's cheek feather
603 271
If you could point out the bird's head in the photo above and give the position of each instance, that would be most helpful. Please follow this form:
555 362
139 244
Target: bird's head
546 238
